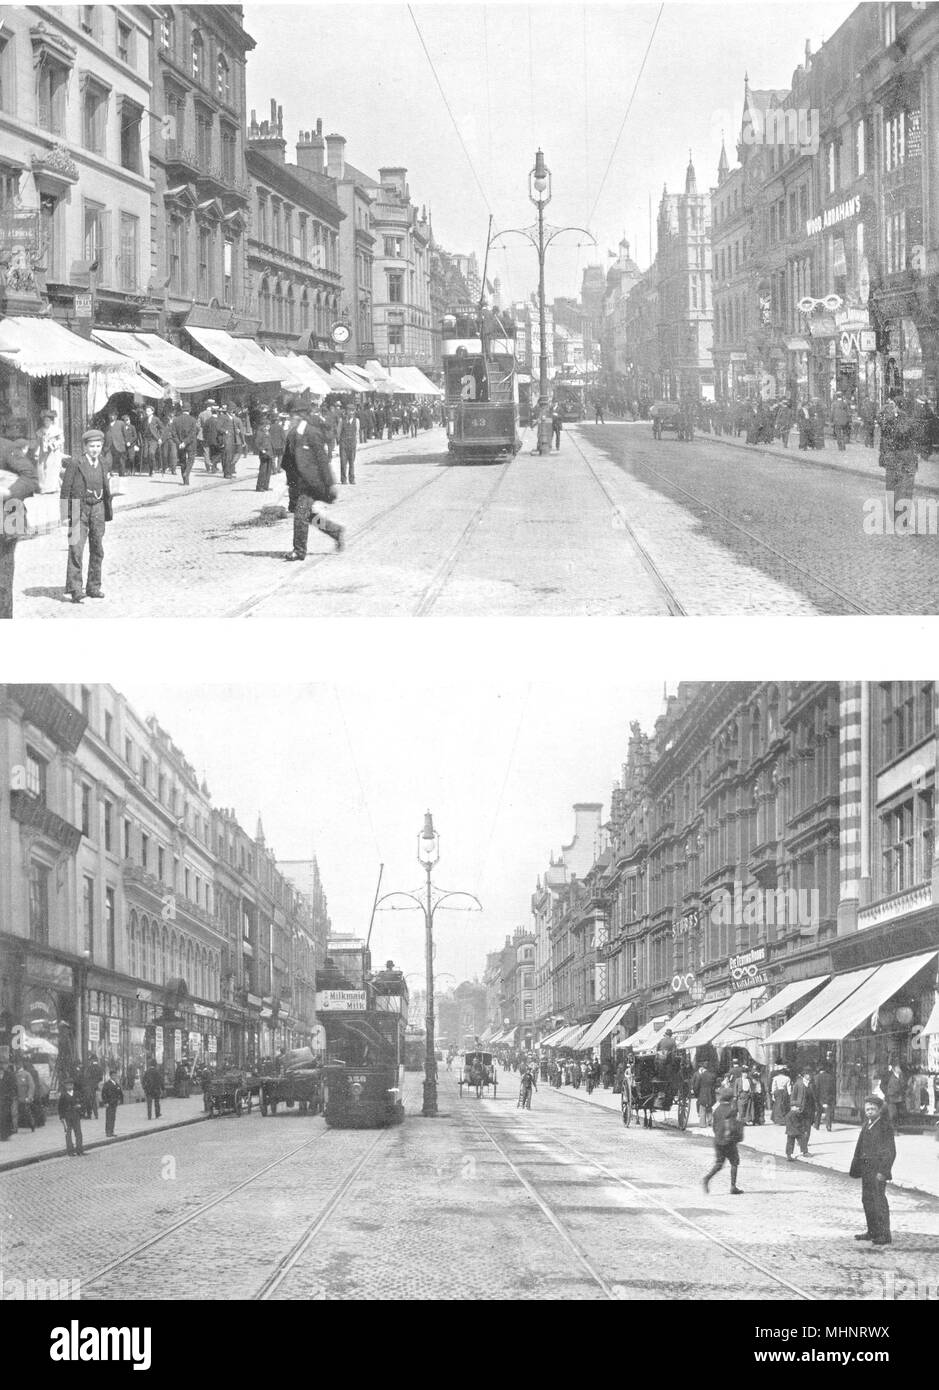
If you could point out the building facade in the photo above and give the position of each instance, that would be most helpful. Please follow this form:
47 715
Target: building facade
683 276
137 920
293 243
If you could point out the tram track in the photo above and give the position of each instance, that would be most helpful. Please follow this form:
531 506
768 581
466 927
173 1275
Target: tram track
248 606
634 461
678 1218
445 570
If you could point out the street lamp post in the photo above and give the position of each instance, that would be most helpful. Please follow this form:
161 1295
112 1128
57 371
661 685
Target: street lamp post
428 852
539 192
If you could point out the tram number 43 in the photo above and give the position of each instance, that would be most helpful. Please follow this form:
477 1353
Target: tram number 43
478 422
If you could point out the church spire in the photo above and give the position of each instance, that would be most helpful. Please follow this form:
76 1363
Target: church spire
691 182
723 167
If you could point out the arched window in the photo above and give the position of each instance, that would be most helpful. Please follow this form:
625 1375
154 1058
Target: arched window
305 312
153 953
188 973
197 66
223 79
167 29
206 983
278 324
265 298
755 722
291 311
132 944
165 959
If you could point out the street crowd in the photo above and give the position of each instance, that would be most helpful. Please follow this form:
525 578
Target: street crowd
299 437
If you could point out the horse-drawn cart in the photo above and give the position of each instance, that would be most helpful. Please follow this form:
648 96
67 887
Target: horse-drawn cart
478 1074
298 1082
229 1093
659 1081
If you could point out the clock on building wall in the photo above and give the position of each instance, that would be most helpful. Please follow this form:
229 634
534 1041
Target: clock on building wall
340 333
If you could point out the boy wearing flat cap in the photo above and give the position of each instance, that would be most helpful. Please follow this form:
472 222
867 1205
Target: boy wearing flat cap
86 507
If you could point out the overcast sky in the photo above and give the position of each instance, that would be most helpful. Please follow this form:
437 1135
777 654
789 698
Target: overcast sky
348 771
520 76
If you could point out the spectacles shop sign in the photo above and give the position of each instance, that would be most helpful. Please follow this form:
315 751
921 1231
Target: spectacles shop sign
340 1000
749 969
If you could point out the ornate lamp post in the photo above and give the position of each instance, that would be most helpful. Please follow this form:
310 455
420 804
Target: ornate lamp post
539 191
428 852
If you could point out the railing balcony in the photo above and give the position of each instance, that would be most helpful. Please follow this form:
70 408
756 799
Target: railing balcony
33 812
49 711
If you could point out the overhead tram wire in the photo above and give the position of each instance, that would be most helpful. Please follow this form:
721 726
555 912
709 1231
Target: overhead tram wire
629 104
358 776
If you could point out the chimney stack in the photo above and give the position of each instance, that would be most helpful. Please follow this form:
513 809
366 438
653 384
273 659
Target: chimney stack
310 149
336 156
268 137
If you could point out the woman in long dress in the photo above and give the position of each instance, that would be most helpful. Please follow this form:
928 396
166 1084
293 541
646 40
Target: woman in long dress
781 1090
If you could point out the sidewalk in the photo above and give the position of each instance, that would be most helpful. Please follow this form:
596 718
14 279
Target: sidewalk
856 458
44 516
916 1168
24 1148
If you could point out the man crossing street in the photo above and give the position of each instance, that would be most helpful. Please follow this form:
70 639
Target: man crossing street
309 480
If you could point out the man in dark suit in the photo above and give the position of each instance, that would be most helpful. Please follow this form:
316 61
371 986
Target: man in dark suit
184 431
18 462
826 1093
801 1114
309 479
894 1089
874 1157
86 508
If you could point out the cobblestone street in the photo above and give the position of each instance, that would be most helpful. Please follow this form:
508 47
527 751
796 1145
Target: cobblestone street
487 1202
614 523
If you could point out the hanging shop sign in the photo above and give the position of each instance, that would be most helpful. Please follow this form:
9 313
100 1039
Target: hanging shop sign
94 1031
748 969
114 1032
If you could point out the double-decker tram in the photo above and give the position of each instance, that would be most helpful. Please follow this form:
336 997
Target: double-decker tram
480 386
364 1016
415 1048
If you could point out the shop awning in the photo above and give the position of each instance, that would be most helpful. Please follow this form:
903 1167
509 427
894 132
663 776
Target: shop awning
309 375
550 1039
694 1018
606 1022
570 1037
647 1034
343 382
415 382
41 347
870 989
358 374
728 1012
932 1023
241 355
384 381
789 994
177 369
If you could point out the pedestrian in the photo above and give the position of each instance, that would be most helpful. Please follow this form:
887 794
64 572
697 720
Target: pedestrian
801 1115
48 451
19 479
874 1156
153 1087
743 1094
309 480
278 439
85 499
131 443
184 433
825 1091
899 458
728 1131
111 1097
152 434
206 429
841 420
784 423
780 1094
702 1088
757 1096
223 441
348 441
91 1080
868 421
115 445
556 424
894 1089
264 450
598 413
70 1113
238 436
526 1086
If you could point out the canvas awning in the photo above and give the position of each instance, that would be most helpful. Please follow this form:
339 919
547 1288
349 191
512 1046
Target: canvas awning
931 1025
789 994
603 1026
241 355
694 1018
41 347
848 1000
415 382
729 1011
383 381
555 1033
647 1034
358 374
343 382
177 369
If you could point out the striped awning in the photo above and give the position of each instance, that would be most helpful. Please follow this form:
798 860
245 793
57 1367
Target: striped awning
177 369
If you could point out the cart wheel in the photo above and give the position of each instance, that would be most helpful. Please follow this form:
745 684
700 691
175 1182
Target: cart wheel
262 1102
684 1110
239 1103
626 1106
249 1102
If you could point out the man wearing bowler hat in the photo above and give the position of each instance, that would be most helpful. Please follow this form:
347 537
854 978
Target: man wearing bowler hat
309 478
86 507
